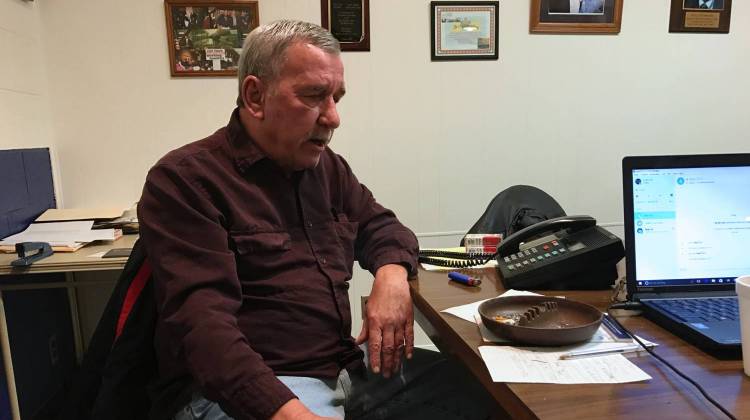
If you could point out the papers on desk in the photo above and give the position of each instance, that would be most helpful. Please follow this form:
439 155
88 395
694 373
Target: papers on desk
66 215
62 236
543 364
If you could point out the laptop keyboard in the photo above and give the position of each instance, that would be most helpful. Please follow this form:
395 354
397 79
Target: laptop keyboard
701 310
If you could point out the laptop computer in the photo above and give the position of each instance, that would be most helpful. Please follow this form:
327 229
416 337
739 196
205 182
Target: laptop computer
687 231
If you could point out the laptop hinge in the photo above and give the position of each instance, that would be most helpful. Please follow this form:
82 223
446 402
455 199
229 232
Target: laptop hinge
678 295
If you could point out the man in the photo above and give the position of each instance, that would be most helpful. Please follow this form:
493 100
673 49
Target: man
704 4
252 233
576 6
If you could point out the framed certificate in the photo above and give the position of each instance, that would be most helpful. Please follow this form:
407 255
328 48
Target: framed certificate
576 16
700 16
348 21
465 30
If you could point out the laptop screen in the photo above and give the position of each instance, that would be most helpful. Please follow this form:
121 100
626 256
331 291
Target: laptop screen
687 221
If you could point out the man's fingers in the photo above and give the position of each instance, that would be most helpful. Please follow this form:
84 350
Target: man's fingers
398 337
374 345
389 350
362 337
409 336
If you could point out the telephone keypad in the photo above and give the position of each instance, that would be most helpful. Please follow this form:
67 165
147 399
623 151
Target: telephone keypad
535 256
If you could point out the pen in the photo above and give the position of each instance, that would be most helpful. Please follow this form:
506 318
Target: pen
599 352
462 278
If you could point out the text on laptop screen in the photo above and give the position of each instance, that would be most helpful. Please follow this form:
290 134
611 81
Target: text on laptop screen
692 225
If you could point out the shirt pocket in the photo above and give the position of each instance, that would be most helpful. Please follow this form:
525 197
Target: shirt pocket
261 242
260 256
347 235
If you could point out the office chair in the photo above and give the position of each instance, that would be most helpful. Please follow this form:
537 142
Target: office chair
120 361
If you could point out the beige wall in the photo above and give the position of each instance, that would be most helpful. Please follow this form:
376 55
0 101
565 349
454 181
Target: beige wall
24 115
24 97
434 141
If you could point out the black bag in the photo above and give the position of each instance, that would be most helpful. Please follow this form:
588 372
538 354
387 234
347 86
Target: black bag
515 208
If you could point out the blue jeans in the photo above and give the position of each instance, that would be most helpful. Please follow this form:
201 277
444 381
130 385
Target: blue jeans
427 387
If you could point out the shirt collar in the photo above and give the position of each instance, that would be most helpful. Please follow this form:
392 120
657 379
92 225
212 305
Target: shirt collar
242 147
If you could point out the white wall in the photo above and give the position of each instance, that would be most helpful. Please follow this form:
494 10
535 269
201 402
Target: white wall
434 141
24 98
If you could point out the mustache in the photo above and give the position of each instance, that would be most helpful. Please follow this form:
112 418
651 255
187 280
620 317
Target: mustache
325 136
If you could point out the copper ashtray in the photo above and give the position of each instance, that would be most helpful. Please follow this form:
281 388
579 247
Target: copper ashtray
540 320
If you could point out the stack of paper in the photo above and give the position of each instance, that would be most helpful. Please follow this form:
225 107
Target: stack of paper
62 236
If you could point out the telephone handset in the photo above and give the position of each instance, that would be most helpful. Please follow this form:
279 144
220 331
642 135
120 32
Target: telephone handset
511 244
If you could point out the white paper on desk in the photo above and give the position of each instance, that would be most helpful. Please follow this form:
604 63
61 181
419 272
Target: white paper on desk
543 365
467 312
60 233
82 225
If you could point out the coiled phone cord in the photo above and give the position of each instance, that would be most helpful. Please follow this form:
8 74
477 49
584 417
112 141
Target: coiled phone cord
677 371
458 259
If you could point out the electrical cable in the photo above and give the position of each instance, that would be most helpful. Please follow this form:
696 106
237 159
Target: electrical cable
677 371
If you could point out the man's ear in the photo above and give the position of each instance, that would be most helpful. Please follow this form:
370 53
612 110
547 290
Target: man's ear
253 95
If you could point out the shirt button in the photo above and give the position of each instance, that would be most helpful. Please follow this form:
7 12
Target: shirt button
308 223
323 261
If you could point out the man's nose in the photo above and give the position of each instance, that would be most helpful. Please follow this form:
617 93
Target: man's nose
329 116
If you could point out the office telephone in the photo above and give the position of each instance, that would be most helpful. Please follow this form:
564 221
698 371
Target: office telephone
569 252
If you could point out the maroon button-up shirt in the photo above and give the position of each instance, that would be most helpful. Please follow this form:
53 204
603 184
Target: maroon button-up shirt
251 267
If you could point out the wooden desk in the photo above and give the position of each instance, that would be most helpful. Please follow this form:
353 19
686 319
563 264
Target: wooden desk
67 262
11 278
665 396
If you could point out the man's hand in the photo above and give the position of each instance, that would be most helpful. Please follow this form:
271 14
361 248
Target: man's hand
295 410
389 320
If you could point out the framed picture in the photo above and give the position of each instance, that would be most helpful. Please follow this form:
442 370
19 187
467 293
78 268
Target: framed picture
576 16
464 30
700 16
205 37
348 21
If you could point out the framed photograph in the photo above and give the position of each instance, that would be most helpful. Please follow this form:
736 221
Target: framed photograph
576 16
348 21
205 37
700 16
464 30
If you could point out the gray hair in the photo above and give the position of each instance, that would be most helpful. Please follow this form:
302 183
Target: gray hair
264 50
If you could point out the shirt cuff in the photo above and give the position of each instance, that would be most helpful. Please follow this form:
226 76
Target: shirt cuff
403 257
261 398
